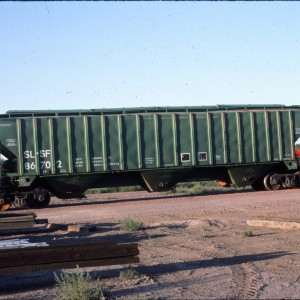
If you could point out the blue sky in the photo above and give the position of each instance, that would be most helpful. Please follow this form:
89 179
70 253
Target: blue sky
82 55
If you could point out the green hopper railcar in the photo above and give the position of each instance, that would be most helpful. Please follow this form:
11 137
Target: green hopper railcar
67 152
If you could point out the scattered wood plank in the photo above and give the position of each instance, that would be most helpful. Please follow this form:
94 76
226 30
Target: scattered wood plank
67 256
72 228
80 228
274 224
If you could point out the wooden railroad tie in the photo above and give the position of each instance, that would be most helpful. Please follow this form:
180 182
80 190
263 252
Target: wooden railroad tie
19 243
40 258
12 221
274 224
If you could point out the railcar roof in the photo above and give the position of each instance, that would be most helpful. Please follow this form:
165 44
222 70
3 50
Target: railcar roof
155 109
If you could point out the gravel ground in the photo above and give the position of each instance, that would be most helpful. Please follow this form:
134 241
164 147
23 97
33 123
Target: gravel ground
192 247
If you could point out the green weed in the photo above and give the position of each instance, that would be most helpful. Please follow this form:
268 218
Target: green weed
131 225
150 242
78 286
247 233
128 274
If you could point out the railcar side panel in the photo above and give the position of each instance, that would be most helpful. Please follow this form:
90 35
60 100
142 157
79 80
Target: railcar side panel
275 136
9 137
261 135
79 145
44 148
131 142
167 141
219 148
296 117
114 147
287 135
62 146
185 137
247 137
203 144
232 138
28 143
149 141
96 145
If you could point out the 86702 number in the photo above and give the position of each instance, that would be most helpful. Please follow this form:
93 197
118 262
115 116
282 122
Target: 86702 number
44 165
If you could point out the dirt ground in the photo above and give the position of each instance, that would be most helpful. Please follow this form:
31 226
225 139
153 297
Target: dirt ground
192 247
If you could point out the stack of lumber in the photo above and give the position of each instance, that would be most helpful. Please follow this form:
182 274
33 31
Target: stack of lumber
12 221
40 258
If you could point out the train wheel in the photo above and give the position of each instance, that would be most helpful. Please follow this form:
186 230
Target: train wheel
269 184
41 199
4 207
297 179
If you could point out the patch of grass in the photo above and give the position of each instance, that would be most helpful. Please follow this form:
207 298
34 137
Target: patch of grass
204 234
134 188
247 233
150 242
78 285
131 225
128 274
203 187
192 188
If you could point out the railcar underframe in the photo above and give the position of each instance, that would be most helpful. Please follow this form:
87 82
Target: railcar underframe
35 191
